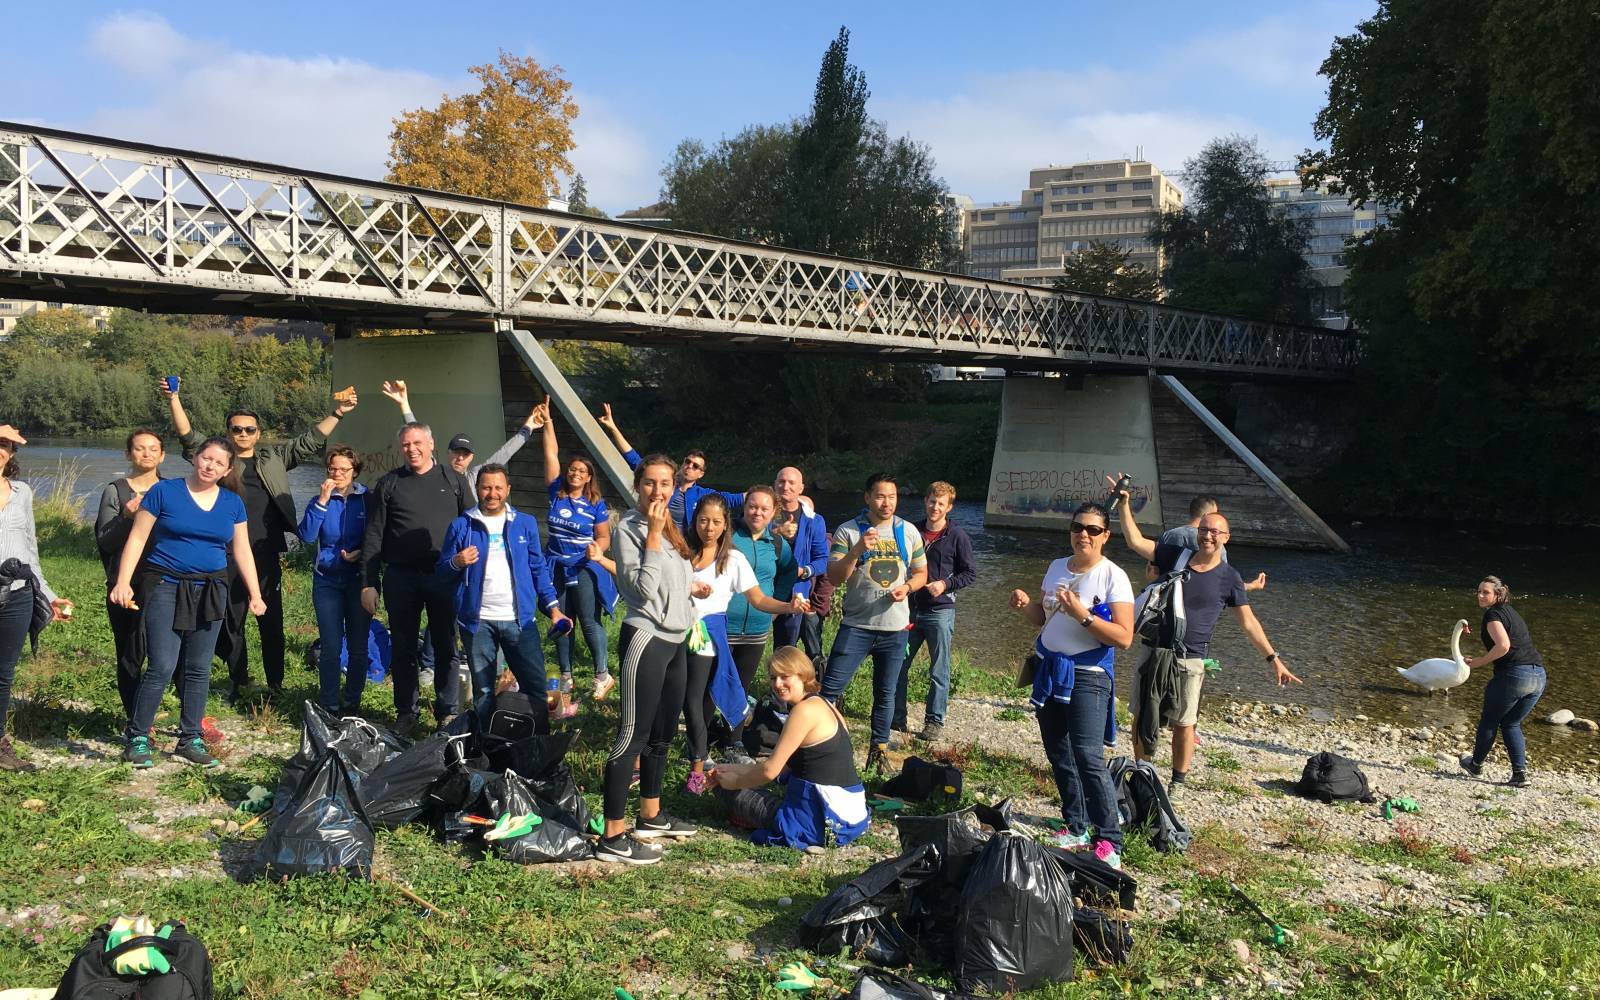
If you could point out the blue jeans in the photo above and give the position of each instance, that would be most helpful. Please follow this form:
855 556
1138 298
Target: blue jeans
1507 700
1074 742
580 603
341 620
524 655
888 651
934 626
166 652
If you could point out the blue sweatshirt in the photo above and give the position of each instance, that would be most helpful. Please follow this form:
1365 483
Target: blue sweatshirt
530 573
811 541
340 524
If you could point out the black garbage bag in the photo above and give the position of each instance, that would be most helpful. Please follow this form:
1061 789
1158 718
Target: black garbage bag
362 745
761 732
396 793
541 762
464 790
1094 882
1015 923
868 917
881 984
920 780
1102 938
957 836
322 829
558 837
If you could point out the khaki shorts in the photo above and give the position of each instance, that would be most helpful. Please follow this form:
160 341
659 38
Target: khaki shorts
1193 670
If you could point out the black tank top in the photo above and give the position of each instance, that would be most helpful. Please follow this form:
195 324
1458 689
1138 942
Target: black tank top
831 762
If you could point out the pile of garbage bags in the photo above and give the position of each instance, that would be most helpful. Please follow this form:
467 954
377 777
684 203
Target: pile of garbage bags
968 892
350 778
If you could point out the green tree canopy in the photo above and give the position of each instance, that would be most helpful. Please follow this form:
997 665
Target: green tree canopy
1107 269
1230 249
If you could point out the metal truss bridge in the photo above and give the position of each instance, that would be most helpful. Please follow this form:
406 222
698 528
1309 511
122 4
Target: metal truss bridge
104 221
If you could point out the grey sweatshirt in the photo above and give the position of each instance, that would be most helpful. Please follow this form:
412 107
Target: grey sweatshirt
654 584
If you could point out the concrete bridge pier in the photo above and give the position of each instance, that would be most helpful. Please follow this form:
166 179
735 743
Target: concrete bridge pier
1060 437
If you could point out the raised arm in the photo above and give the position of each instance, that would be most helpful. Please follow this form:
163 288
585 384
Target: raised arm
610 424
187 436
395 390
514 443
552 452
1143 547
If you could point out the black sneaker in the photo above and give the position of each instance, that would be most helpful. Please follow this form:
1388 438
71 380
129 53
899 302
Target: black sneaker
1519 779
194 751
625 850
1470 766
875 759
9 761
138 753
406 725
931 731
234 696
663 825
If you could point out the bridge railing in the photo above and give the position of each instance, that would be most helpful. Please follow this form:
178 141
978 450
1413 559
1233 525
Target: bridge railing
87 211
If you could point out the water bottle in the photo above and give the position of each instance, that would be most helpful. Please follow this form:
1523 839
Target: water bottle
552 691
1123 482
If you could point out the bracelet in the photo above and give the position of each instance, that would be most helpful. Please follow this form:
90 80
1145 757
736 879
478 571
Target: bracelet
336 415
1271 657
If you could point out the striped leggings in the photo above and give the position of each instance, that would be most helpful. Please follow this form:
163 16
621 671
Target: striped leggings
651 682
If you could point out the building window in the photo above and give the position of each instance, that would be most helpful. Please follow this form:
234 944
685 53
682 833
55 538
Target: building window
1087 206
1018 216
1088 189
1058 206
1038 197
1142 185
1057 192
1141 203
988 217
1110 188
1111 204
1365 223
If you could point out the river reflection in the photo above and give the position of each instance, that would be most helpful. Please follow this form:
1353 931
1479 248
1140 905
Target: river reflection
1342 623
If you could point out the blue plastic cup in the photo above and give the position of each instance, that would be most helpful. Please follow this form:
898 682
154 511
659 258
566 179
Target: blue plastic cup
561 627
172 383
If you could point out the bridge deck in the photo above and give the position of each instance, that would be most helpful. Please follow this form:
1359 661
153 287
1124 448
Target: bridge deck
97 220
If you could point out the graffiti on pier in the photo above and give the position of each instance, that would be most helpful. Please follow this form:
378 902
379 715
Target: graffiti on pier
1055 491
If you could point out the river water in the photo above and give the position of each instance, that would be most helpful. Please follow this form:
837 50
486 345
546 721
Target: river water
1342 623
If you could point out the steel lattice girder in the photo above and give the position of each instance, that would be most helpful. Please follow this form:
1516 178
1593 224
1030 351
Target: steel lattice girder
126 219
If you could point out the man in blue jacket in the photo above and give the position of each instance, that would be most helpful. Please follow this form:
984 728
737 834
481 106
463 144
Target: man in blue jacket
807 535
688 491
494 554
933 608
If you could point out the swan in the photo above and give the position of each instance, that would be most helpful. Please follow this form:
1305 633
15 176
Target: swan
1438 673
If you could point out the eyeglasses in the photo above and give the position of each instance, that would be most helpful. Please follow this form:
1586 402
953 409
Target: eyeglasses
1092 530
695 465
1214 532
343 470
236 429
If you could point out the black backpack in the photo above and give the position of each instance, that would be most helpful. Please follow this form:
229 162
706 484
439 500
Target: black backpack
1161 623
1142 803
920 780
90 976
1330 778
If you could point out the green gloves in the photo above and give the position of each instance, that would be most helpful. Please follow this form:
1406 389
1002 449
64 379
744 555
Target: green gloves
796 978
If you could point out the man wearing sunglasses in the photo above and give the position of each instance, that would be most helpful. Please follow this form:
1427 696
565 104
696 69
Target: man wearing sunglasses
1209 586
686 496
270 512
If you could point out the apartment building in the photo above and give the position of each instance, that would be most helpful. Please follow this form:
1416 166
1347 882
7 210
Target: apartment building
1062 211
1333 221
12 310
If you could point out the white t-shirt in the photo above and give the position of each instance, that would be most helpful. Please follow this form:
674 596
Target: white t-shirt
1103 583
736 579
499 604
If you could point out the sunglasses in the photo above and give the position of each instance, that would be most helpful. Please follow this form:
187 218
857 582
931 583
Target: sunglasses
1092 530
235 429
694 465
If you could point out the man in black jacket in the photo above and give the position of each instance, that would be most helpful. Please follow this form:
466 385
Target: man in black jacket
933 608
408 512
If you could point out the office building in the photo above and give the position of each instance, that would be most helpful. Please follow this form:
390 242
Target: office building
1333 221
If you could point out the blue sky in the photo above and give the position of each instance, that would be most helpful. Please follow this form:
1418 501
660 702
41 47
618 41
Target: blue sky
992 90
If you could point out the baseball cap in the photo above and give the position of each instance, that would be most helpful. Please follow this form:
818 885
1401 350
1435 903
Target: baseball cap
461 443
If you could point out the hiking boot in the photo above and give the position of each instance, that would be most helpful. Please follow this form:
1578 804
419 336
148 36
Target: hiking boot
625 850
9 761
194 751
1519 779
603 686
662 825
1470 766
406 725
1106 852
931 731
697 783
875 759
1069 841
138 753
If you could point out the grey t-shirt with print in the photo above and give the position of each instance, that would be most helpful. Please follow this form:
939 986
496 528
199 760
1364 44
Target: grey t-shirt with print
867 603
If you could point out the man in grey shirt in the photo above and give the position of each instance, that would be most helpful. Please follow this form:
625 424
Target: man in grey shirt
1188 535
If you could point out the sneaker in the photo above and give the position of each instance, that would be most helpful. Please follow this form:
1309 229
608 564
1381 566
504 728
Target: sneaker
1106 852
931 731
1069 841
406 725
733 755
425 678
603 686
9 761
1470 766
875 759
194 751
1518 779
625 850
633 780
663 825
697 783
138 753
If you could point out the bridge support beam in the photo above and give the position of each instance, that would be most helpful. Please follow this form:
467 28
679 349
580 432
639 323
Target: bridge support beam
1059 438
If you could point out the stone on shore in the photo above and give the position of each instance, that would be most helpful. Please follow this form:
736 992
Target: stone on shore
1561 717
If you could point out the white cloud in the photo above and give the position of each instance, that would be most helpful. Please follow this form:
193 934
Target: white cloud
620 166
141 44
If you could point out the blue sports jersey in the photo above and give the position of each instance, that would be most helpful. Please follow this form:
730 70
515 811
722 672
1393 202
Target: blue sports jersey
571 524
187 539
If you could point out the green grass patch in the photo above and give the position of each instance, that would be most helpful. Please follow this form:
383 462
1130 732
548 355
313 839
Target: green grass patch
1424 763
1220 759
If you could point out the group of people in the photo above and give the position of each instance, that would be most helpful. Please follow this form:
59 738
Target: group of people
707 577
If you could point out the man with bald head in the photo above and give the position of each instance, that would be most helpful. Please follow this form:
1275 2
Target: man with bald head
808 537
1209 586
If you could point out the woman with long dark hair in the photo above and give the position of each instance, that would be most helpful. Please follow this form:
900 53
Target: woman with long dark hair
655 578
191 525
22 584
1516 686
336 522
715 681
119 503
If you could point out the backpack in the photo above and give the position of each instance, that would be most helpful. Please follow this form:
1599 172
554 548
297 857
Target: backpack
1142 803
1330 778
919 780
1160 621
91 977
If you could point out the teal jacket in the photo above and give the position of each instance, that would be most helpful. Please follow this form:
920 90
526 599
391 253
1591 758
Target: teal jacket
771 562
273 463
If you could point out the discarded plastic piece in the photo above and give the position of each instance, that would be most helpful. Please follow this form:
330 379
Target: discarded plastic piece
514 825
209 731
1403 805
1280 935
885 805
623 994
797 978
1213 667
258 800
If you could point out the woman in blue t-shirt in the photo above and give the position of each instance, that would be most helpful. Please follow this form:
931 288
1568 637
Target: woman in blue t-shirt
191 524
336 522
578 518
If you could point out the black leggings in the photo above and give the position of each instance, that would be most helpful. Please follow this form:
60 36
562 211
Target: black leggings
127 630
746 659
651 680
697 707
750 808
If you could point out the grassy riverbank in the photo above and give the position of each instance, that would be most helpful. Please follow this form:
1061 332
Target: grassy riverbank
86 838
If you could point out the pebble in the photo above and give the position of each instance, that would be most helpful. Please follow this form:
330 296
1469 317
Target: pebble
1358 717
80 880
1560 717
34 805
785 901
1584 725
1321 715
1280 710
1241 951
1422 735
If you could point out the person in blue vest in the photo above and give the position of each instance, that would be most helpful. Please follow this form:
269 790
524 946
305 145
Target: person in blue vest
806 532
772 559
578 518
880 561
933 608
494 554
336 523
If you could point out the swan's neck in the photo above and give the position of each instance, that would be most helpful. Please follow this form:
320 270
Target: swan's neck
1455 647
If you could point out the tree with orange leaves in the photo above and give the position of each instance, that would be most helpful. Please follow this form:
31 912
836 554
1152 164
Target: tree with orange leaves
508 141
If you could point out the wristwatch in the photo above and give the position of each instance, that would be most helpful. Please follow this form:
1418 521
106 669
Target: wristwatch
1271 657
1086 620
